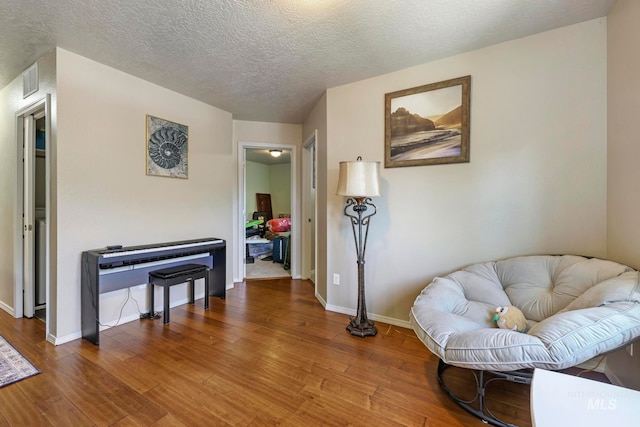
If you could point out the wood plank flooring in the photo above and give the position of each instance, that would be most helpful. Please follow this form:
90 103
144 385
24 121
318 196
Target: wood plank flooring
267 355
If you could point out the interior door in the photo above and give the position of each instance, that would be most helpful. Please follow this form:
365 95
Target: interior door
309 168
312 214
28 232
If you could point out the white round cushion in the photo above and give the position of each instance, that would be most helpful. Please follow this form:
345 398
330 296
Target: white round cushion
576 308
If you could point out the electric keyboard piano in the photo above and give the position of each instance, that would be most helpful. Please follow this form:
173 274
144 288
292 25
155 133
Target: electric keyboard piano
106 270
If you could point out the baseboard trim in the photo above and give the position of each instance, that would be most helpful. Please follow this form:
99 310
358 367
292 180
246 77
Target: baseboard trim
322 301
65 339
372 316
8 309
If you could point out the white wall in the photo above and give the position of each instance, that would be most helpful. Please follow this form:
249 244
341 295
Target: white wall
623 130
536 182
104 194
280 188
268 133
257 176
275 134
623 190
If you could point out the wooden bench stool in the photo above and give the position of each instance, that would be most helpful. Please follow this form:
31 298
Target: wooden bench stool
168 277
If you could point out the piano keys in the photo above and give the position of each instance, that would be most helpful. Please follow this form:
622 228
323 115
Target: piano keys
107 270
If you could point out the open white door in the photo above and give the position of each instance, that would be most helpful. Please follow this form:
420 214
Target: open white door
309 207
28 231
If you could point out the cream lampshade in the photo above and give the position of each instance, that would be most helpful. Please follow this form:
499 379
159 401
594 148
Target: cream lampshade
359 179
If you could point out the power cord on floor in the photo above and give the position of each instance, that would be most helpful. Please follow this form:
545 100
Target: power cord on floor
584 371
399 332
153 315
120 315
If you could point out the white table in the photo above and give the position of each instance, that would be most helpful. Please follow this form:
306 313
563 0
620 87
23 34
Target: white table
565 400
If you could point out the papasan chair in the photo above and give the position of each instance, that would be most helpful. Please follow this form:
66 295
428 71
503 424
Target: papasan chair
576 308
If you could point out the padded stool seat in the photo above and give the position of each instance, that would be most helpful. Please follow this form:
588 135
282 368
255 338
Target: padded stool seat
168 277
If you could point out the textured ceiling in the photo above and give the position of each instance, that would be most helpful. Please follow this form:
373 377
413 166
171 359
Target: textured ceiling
269 60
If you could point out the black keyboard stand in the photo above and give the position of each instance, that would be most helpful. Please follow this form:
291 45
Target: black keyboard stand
107 270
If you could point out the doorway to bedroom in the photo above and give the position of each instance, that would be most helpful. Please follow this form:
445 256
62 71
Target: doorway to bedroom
268 208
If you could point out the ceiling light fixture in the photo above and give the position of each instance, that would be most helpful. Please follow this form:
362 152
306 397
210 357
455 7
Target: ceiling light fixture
275 153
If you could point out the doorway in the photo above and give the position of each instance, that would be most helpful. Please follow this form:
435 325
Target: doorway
32 268
267 204
247 202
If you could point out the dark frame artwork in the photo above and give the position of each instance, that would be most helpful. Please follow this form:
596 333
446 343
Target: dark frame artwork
167 148
428 125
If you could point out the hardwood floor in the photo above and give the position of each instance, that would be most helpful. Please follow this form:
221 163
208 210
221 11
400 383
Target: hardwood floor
267 355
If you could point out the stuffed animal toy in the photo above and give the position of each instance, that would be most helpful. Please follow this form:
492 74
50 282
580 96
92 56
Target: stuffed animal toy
510 317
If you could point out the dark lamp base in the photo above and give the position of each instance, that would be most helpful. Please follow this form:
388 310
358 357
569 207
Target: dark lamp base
362 329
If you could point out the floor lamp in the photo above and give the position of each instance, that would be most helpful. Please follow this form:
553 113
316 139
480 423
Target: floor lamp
359 181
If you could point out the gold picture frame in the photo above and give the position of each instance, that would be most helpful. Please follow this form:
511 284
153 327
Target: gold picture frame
167 152
428 125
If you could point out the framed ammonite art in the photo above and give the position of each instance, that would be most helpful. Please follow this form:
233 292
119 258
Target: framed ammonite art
167 148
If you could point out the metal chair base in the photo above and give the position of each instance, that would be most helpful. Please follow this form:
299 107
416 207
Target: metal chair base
478 405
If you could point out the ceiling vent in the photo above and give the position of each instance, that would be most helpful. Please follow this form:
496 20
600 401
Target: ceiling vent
30 80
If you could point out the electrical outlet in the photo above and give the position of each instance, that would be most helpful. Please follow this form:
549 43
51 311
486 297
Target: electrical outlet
336 279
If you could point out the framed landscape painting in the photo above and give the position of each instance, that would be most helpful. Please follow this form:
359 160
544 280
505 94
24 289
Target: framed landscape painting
428 125
167 148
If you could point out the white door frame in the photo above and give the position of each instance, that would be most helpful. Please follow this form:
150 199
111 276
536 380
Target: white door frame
240 233
42 105
308 169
